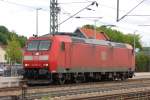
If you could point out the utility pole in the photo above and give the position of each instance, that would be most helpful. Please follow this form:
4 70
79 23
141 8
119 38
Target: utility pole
117 11
54 10
37 9
134 44
95 28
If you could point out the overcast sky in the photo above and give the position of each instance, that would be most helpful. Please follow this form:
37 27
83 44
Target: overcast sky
20 16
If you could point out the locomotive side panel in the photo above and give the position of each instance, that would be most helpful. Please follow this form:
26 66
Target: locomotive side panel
82 56
104 57
91 58
99 58
121 57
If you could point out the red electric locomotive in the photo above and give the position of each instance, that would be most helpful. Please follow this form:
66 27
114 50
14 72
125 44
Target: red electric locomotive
63 58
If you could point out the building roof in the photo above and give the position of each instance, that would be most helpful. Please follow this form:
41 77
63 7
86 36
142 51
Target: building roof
90 33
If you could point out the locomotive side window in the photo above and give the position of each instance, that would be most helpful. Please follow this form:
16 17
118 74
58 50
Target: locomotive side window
44 45
33 45
63 46
38 45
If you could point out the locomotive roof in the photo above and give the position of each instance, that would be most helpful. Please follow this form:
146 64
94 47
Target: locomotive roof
76 39
101 42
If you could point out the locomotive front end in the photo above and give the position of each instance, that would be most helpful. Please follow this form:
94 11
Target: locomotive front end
36 58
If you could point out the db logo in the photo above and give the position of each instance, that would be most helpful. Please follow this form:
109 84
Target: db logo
103 55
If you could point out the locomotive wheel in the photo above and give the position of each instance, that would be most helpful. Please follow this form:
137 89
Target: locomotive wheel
79 79
61 81
123 78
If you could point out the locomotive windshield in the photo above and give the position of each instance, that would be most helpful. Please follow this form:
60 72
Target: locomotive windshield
44 45
38 45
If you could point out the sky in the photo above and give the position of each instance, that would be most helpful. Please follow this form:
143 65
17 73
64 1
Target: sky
20 16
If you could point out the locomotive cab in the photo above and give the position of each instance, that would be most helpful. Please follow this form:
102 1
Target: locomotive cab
36 58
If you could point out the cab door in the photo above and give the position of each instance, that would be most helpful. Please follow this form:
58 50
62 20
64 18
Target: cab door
64 55
67 56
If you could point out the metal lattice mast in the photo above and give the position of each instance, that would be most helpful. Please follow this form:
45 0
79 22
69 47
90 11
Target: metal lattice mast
54 10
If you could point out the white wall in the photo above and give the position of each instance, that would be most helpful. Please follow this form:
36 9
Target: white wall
2 55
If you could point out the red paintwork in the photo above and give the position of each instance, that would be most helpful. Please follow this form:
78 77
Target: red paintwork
81 55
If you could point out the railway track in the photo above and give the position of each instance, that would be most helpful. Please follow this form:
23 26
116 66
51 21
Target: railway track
74 93
70 86
139 95
77 90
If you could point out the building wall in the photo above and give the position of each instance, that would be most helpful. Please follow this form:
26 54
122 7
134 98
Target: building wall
2 54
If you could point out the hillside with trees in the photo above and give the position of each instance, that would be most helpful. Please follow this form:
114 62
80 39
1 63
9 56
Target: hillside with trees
14 44
6 35
14 51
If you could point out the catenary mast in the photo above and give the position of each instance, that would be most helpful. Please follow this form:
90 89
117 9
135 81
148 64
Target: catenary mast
54 10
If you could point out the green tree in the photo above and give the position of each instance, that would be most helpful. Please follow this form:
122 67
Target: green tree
89 26
5 36
129 38
3 29
142 62
13 51
21 39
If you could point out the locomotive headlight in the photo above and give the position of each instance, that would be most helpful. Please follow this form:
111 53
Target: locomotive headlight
26 65
37 53
45 65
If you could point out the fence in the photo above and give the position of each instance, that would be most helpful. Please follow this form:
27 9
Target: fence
8 70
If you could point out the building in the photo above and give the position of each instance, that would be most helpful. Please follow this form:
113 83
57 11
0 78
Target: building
84 33
91 34
2 54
